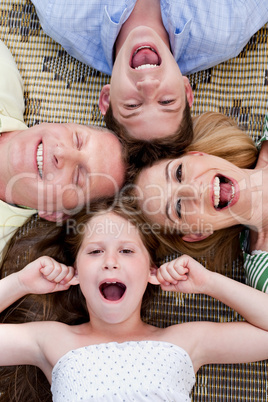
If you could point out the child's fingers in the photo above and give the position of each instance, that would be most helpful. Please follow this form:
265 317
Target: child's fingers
54 271
66 272
179 270
173 273
163 279
47 270
166 273
69 276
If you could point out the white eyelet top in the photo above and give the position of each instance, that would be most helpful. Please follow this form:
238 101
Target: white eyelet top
128 371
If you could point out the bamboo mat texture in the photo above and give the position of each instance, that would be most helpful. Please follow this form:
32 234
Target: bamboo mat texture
59 88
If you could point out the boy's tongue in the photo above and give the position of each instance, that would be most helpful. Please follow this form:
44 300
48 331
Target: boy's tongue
144 56
225 193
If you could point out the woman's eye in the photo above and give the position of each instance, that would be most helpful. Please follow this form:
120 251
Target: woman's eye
179 173
178 208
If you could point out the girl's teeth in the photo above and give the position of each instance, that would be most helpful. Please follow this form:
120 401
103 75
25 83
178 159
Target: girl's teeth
39 159
217 190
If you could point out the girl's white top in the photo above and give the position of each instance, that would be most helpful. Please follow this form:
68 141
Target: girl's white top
128 371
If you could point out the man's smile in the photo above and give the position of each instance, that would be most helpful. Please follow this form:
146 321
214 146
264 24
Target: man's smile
39 159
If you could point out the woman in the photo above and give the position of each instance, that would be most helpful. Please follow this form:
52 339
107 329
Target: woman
208 199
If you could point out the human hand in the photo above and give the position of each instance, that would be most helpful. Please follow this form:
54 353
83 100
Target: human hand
46 275
184 274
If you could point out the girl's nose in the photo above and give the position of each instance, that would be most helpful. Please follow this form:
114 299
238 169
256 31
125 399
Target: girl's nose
111 263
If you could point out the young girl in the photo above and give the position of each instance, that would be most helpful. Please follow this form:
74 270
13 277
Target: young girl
115 355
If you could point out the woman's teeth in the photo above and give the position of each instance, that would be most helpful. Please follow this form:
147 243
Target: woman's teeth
39 159
217 190
228 192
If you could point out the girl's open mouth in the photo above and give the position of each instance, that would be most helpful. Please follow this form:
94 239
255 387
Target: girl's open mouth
112 291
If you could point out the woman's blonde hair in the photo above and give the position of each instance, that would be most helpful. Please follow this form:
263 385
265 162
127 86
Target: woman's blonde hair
219 135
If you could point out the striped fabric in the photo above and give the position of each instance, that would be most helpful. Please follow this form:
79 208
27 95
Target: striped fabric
59 88
256 263
265 128
256 268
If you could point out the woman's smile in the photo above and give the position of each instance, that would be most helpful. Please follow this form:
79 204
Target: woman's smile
194 190
225 192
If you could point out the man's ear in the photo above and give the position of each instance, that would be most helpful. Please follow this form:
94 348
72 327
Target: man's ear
152 276
188 91
104 99
193 237
53 216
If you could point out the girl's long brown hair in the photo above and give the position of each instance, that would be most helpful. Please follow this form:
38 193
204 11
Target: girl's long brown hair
36 238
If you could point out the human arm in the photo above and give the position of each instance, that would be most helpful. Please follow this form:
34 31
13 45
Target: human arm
43 275
21 343
220 342
188 276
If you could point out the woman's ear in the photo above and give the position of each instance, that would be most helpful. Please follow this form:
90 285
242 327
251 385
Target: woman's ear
193 237
152 276
104 100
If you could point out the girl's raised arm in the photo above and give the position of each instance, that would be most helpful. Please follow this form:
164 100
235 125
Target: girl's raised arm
209 342
44 275
188 276
19 342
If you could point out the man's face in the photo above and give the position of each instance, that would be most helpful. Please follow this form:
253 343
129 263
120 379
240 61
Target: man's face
147 90
58 167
